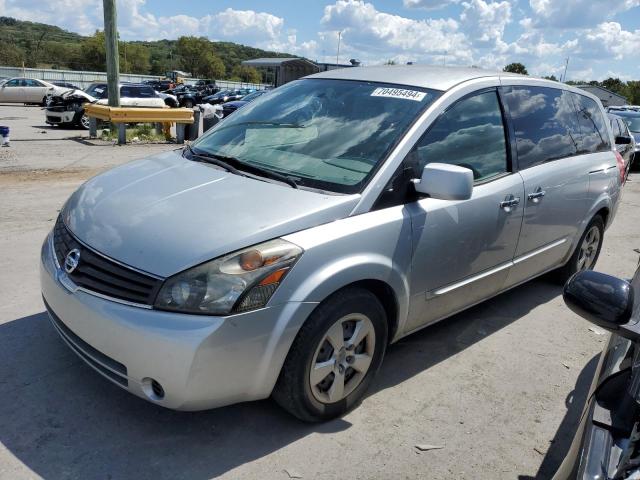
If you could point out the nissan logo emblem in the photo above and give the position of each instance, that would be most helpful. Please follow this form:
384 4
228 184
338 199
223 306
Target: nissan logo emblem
71 261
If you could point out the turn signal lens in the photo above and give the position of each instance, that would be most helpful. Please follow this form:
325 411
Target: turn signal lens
274 277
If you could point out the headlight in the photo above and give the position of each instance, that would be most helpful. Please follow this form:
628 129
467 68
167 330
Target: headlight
237 282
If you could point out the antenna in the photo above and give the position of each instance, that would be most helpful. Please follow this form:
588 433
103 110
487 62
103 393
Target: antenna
564 77
338 52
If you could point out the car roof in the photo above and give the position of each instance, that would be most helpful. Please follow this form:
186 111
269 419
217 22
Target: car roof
426 76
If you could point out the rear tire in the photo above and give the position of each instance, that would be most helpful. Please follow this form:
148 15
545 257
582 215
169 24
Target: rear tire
587 250
334 357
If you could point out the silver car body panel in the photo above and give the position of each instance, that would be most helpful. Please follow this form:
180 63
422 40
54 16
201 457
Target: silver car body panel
165 214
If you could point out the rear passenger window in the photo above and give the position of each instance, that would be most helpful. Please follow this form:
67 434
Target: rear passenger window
595 136
137 92
469 134
545 122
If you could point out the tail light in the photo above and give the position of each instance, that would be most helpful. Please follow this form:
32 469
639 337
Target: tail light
621 167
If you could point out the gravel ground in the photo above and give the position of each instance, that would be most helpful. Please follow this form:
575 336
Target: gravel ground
500 387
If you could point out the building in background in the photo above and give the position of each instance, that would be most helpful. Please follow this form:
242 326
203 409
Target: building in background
278 71
607 97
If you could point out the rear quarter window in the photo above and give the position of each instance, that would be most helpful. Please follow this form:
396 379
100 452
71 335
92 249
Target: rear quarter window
545 122
595 135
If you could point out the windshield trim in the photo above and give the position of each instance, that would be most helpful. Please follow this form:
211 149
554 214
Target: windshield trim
334 188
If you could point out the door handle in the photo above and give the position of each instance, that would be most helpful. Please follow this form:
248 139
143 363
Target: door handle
536 196
509 202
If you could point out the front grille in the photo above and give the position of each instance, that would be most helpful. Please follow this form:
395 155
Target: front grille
97 273
109 367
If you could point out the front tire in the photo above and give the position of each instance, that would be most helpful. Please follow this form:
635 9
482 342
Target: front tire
334 357
587 251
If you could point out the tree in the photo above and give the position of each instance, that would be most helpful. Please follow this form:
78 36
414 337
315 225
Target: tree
614 84
193 54
633 92
12 57
246 74
516 68
92 53
213 67
134 58
551 77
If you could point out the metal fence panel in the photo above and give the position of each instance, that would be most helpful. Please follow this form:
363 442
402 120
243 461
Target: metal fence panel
83 79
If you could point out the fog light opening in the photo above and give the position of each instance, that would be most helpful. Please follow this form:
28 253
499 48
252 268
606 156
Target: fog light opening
152 389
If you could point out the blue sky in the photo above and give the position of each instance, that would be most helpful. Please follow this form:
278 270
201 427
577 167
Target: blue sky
600 37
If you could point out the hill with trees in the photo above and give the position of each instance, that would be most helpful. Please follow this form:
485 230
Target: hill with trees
38 45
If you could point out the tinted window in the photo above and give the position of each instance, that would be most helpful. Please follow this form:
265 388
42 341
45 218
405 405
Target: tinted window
469 134
137 91
595 136
545 123
33 83
14 83
615 127
98 90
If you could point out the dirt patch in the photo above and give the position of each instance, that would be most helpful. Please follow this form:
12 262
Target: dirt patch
9 178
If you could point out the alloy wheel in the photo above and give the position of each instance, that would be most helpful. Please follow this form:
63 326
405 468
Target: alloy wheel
342 358
84 121
589 249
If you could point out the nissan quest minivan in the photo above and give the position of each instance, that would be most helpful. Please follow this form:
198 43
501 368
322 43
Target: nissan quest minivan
280 253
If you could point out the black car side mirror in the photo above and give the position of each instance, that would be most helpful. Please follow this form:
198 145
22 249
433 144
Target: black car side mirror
623 140
602 299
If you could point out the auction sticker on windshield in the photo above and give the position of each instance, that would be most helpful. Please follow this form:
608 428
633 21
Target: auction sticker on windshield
398 93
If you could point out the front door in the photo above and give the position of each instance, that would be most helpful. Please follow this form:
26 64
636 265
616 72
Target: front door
12 91
462 250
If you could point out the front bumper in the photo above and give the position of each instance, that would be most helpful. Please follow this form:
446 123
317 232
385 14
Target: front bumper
200 361
54 117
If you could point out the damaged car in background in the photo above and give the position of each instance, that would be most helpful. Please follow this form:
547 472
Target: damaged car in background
68 108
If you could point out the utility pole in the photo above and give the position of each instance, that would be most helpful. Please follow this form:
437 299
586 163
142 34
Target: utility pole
338 53
111 47
564 77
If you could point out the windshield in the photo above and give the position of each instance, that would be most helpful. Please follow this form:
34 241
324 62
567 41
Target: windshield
325 134
632 119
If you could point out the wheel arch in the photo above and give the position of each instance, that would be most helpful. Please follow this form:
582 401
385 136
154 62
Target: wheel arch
373 272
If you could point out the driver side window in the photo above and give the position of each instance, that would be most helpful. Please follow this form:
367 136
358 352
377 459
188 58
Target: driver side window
469 134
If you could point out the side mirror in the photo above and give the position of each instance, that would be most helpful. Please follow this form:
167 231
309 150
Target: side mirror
623 140
602 299
445 182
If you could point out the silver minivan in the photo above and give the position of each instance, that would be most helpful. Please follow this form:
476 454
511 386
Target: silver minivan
280 253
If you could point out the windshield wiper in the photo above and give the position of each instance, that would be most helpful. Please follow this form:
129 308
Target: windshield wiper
263 172
225 161
215 160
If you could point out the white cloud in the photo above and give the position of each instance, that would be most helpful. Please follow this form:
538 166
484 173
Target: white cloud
577 13
375 35
428 4
607 40
484 22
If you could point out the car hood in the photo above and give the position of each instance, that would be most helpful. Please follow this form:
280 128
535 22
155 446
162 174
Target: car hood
165 213
78 94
